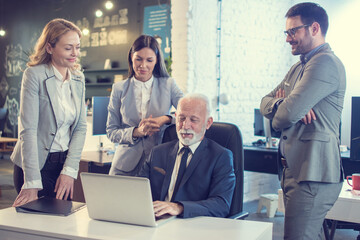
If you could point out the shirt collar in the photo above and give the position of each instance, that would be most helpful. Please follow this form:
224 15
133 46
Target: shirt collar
146 84
59 76
304 58
192 147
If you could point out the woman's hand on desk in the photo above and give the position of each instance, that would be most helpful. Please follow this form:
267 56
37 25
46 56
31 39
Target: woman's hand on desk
64 187
25 196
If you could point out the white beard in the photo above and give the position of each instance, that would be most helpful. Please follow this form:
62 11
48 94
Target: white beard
190 141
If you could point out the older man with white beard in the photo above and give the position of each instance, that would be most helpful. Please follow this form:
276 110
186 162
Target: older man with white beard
192 176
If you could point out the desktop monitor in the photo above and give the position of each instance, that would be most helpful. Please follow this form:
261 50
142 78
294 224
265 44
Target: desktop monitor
100 113
355 129
260 128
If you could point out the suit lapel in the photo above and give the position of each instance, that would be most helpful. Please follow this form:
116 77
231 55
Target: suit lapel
170 162
195 160
77 91
128 100
154 98
51 90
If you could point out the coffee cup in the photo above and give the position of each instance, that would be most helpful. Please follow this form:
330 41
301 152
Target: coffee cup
355 181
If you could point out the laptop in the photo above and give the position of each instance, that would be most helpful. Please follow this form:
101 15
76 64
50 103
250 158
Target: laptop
120 199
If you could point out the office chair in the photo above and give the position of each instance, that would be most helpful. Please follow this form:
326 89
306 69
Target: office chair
229 136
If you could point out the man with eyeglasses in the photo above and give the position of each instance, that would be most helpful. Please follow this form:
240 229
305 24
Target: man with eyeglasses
306 107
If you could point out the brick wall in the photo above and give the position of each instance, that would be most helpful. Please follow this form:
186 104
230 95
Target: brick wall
179 42
254 59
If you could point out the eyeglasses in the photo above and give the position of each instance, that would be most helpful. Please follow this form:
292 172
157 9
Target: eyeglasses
291 32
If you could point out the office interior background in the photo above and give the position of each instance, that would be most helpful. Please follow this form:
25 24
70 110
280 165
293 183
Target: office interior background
232 51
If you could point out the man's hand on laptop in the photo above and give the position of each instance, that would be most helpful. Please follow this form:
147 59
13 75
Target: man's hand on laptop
162 208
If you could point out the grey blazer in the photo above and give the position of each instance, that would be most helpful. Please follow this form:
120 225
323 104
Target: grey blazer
123 118
312 151
37 125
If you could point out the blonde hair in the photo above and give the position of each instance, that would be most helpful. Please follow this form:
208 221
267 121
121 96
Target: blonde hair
51 34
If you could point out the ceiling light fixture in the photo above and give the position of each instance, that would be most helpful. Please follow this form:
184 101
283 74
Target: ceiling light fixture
2 31
98 13
85 31
109 5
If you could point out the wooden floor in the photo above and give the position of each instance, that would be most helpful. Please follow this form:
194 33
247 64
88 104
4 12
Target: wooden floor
8 195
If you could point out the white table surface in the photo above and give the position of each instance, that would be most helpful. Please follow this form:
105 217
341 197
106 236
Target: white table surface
346 207
79 226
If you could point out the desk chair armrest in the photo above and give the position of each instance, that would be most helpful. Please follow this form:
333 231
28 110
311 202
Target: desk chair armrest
240 215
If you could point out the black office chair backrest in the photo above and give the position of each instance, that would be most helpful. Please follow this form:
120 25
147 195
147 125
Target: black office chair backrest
229 136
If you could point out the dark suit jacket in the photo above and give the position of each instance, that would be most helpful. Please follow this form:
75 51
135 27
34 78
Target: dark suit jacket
207 185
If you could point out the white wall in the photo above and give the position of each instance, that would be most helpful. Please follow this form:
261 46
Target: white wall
254 58
179 11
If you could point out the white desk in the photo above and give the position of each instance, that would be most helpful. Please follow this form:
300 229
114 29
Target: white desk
346 207
15 225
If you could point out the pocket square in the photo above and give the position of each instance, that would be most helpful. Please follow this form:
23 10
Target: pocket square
160 170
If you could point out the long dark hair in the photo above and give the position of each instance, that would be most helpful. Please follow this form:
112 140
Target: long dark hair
148 41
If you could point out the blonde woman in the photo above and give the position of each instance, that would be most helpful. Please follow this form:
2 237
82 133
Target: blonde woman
52 125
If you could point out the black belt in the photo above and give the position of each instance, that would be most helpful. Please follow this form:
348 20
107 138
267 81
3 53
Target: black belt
283 162
57 156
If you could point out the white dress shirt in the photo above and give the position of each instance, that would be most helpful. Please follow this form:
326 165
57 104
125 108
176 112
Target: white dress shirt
142 92
175 171
65 114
